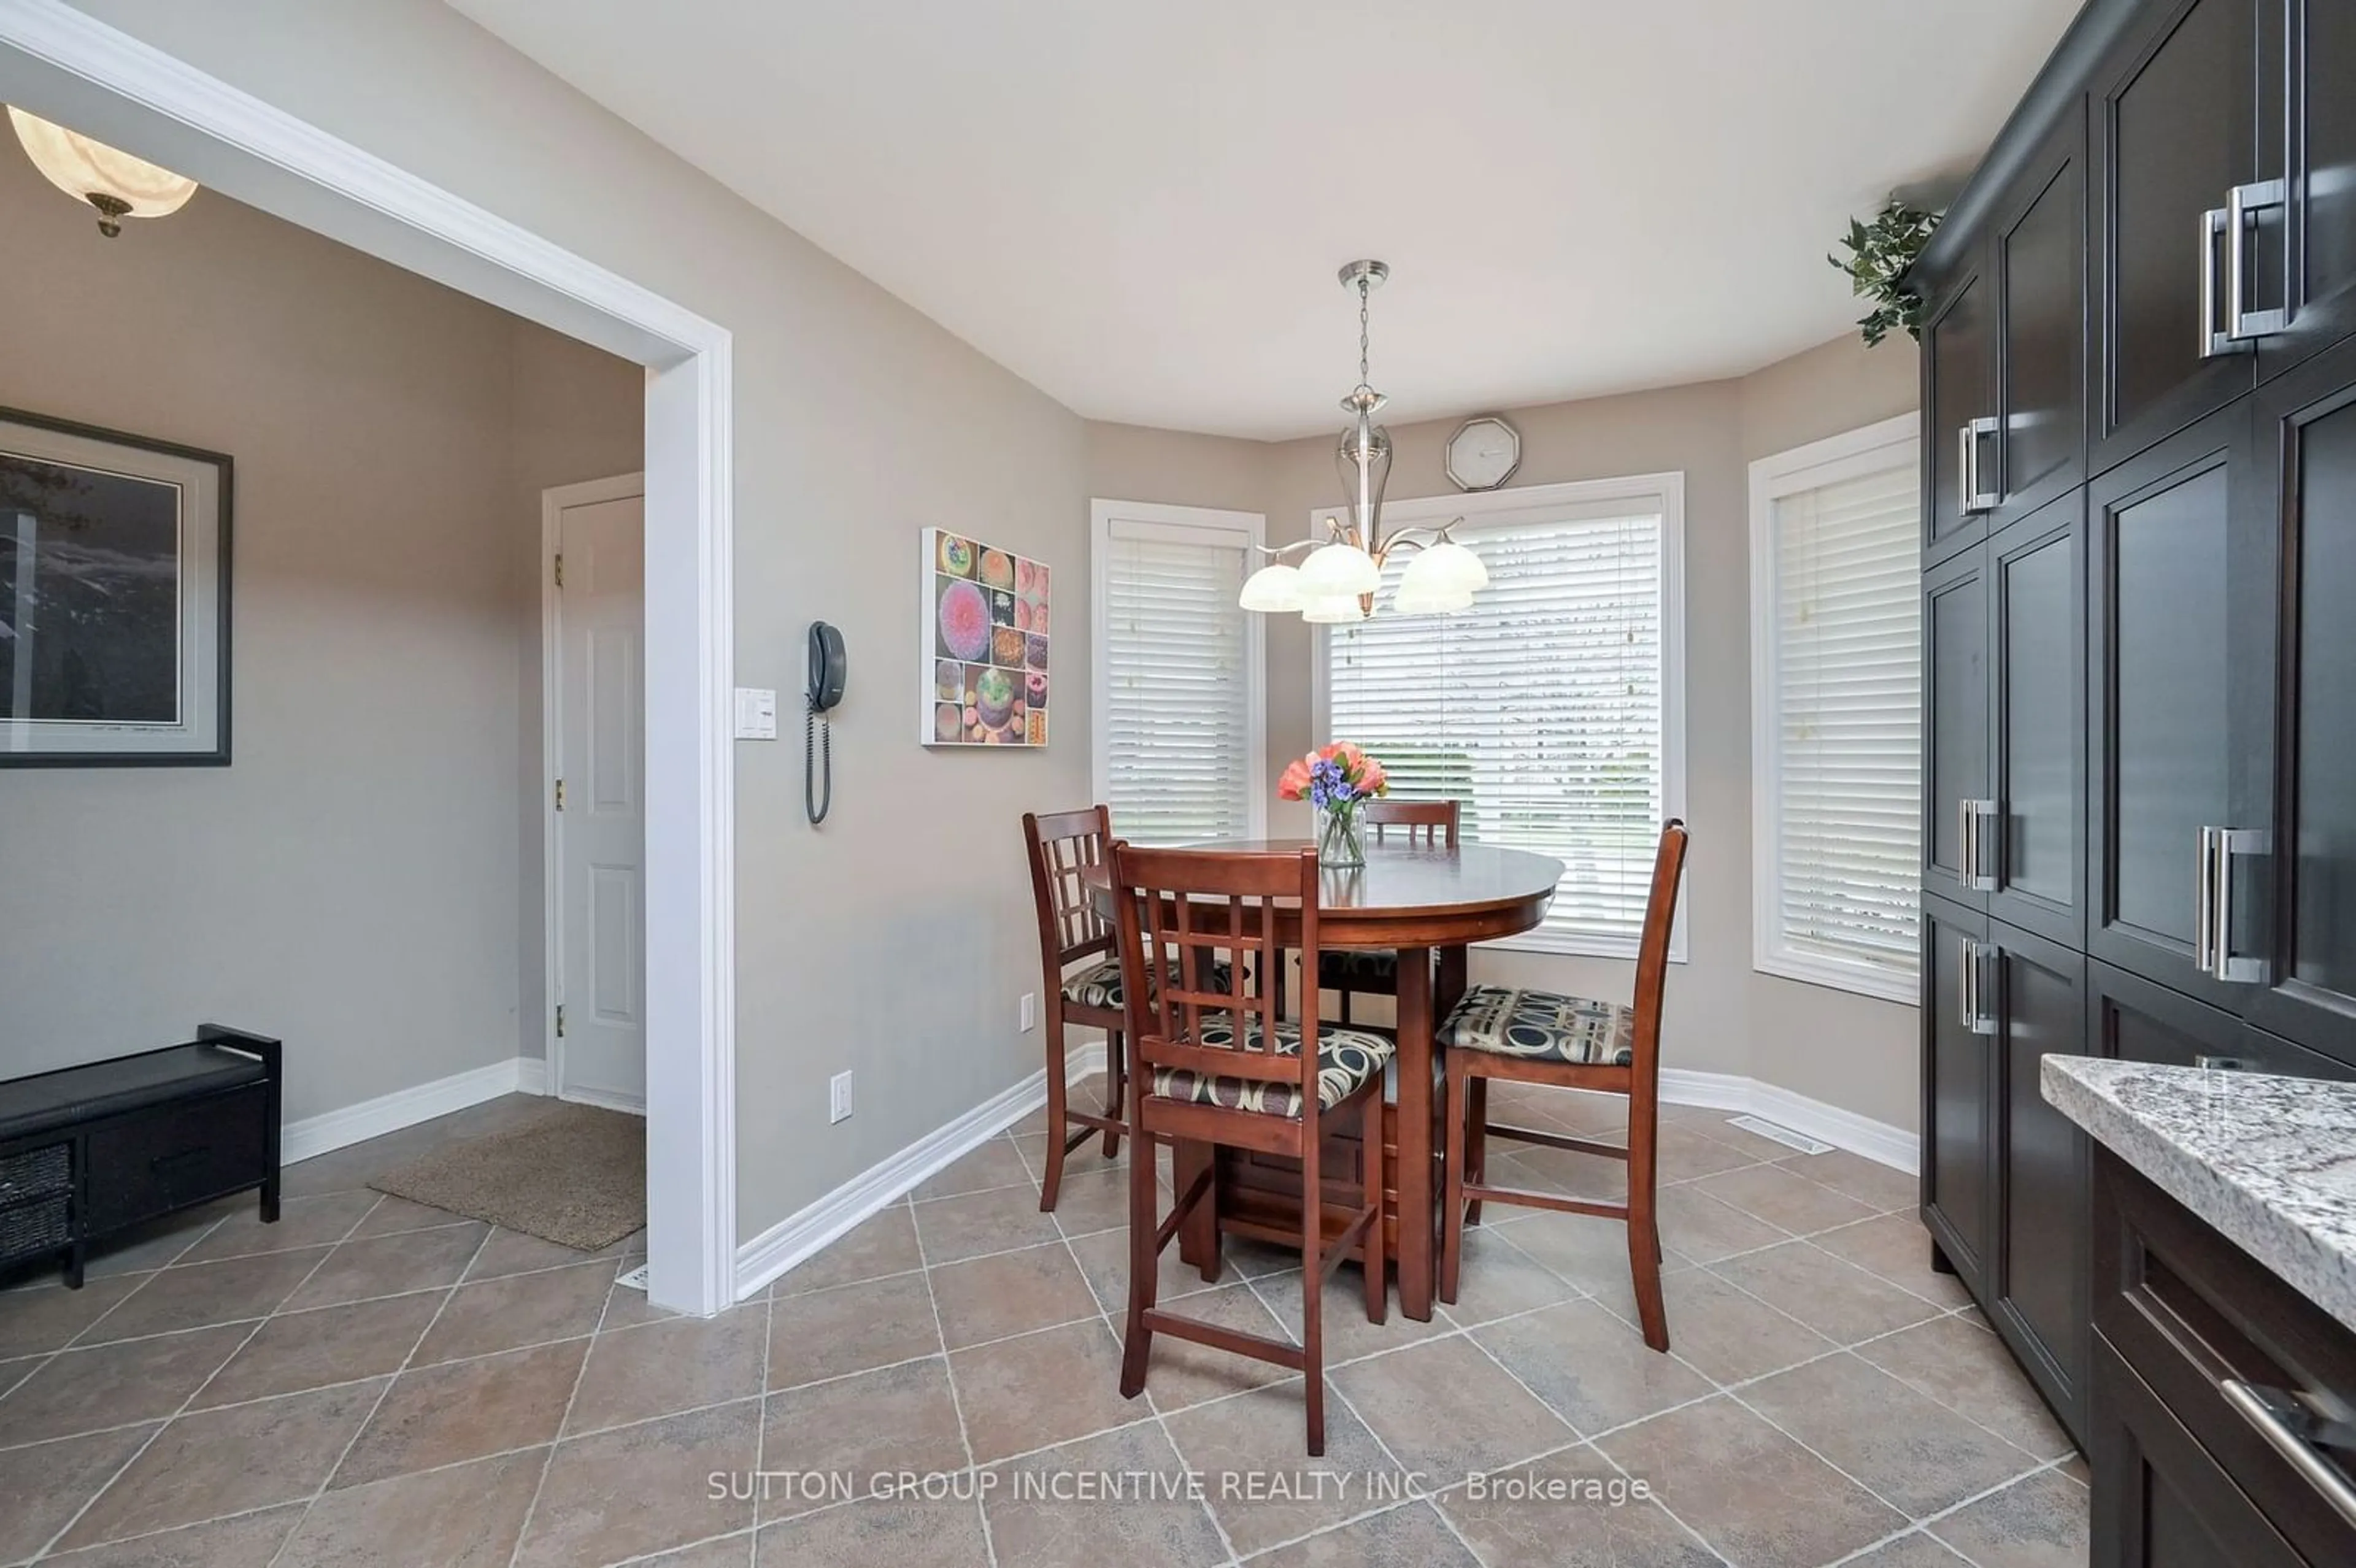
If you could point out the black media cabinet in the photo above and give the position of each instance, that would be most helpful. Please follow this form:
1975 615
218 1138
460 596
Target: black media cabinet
87 1151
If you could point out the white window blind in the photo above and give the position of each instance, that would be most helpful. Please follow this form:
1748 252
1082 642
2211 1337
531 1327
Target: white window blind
1179 728
1546 709
1836 714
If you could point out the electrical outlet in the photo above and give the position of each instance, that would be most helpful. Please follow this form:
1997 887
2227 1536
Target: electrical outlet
1027 1014
838 1098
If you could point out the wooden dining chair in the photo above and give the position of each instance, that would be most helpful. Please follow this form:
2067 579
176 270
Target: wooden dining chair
1216 1062
1374 973
1569 1042
1062 846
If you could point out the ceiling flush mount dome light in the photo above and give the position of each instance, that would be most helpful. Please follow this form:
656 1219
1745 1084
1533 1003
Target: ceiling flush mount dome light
113 181
1337 579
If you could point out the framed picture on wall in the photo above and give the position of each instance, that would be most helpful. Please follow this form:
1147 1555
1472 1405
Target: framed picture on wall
113 599
983 651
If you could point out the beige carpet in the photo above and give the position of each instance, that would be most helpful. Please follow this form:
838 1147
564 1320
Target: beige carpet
576 1177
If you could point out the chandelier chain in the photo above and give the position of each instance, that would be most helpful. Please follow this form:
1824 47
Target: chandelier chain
1364 289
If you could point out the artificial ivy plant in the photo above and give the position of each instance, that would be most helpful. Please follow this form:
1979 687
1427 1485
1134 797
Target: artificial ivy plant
1879 253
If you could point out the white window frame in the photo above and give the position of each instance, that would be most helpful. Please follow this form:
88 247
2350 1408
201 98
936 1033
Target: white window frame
1480 509
1208 524
1892 444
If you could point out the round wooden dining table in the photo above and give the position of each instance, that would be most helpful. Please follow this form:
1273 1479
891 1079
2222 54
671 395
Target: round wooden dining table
1417 901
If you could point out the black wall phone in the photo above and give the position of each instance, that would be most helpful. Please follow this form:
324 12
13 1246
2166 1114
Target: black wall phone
826 668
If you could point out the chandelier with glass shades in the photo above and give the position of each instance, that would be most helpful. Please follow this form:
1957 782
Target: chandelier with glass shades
118 185
1336 582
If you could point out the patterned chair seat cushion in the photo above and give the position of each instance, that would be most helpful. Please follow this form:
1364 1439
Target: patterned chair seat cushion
1347 1058
1344 967
1541 1025
1098 986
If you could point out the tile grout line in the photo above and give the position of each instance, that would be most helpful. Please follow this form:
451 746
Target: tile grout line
382 1394
949 1375
1922 1526
1160 1418
760 1425
1567 1426
165 1425
556 1438
282 1311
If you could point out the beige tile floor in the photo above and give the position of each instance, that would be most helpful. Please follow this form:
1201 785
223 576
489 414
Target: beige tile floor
370 1382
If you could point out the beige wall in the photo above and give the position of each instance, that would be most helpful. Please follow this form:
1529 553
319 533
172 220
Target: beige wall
1851 1051
352 881
896 940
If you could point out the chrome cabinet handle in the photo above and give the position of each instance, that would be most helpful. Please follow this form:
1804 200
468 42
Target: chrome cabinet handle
1977 1019
2241 202
1971 496
2232 843
1983 497
1968 984
1978 815
2214 341
2286 1423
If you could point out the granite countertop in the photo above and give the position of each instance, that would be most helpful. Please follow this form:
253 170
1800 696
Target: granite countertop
2270 1162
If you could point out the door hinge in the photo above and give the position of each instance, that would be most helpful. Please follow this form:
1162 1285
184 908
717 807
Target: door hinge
560 571
559 1020
560 795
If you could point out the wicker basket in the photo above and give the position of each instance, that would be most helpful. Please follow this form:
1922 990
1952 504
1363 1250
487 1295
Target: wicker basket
32 1228
36 1172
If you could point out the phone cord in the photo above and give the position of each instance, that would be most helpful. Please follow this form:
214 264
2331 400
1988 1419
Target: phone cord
811 743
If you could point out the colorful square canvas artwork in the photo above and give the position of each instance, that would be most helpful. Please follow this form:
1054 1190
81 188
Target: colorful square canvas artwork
986 641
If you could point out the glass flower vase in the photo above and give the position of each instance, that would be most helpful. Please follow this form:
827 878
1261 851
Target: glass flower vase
1341 837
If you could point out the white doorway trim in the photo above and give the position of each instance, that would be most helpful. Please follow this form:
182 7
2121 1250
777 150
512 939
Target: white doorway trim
62 64
552 503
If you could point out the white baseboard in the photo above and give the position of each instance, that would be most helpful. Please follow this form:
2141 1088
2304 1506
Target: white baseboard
628 1104
800 1235
797 1236
1877 1141
531 1075
331 1130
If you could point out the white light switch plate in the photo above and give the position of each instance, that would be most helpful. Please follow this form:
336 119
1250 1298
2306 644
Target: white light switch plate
756 713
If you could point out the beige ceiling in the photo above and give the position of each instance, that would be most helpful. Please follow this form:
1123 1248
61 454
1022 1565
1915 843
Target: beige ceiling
1139 206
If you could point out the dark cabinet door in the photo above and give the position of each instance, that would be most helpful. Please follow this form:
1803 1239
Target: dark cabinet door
2038 262
2037 1295
1959 1090
1960 428
1958 817
2311 146
2130 1019
2160 723
2159 1501
2037 599
2172 128
2297 893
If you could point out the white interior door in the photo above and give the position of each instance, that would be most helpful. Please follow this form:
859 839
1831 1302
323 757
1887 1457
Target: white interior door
598 728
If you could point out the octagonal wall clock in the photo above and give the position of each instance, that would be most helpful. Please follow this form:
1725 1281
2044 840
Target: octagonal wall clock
1482 454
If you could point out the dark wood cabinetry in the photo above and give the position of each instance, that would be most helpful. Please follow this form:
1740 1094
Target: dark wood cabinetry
1959 1093
2212 1380
2139 556
2289 906
2000 1164
1960 425
2317 165
2160 746
2171 116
